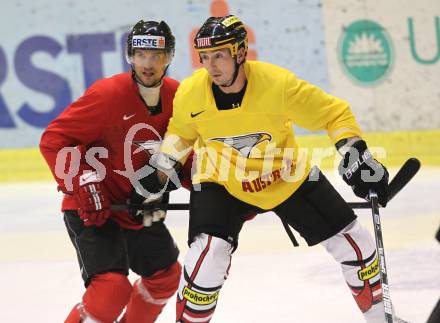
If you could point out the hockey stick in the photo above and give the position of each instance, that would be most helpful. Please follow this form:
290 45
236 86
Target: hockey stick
399 181
403 176
388 307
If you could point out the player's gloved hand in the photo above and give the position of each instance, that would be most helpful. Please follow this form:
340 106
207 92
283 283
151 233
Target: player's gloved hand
363 173
163 175
92 197
154 207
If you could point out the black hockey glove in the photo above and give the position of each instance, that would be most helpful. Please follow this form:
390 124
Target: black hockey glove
164 175
148 210
363 173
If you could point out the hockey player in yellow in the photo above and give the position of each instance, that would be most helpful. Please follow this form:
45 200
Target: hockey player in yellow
255 138
239 116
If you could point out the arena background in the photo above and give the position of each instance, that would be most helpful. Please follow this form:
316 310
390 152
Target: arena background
381 56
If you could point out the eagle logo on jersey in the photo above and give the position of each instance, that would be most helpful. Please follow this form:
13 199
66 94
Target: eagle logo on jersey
244 143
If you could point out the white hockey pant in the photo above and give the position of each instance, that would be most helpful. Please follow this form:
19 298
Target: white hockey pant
205 270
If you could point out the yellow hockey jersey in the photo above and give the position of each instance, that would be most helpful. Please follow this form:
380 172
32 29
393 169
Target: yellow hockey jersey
251 150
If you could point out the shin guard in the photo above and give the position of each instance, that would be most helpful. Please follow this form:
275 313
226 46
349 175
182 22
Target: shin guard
150 295
355 250
205 270
106 296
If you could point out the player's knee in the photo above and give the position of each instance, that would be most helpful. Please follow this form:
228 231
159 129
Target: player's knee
163 284
353 237
172 274
214 246
114 284
215 253
107 295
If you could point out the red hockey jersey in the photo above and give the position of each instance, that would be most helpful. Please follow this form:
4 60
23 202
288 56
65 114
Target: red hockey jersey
110 115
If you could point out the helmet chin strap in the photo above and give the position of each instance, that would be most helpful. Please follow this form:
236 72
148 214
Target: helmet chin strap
234 77
139 81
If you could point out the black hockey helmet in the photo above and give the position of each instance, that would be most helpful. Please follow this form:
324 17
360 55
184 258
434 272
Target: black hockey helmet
221 32
150 35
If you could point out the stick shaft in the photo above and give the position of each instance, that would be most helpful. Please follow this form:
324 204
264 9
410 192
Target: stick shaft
403 176
388 307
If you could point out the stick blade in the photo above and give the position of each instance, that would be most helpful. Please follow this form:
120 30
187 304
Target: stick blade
403 176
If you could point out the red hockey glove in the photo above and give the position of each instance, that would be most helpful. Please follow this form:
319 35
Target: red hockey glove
92 197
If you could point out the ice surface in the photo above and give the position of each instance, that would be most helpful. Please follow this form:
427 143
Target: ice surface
270 281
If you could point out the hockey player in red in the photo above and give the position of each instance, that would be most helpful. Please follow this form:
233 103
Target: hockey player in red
95 149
